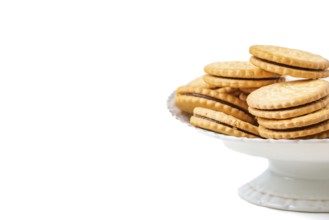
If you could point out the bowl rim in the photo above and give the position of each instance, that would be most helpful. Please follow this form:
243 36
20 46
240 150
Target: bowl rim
175 112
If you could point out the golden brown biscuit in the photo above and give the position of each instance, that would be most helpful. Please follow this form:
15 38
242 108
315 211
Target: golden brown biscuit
322 135
295 132
199 82
239 83
228 90
187 98
289 71
222 123
291 112
301 121
288 94
237 69
288 56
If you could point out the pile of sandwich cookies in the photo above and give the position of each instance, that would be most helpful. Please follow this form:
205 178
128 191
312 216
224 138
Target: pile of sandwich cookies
253 100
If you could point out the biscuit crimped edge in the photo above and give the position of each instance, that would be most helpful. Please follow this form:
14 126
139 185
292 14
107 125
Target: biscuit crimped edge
199 82
239 83
226 119
237 69
218 128
291 134
208 119
301 121
322 135
228 90
289 56
188 103
291 112
289 71
212 94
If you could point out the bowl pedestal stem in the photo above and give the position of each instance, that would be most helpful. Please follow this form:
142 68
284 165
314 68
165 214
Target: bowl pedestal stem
290 185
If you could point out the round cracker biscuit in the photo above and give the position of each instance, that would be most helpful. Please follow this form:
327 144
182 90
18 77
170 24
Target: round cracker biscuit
212 95
301 121
222 123
199 82
187 98
294 133
289 71
237 69
288 56
288 94
239 83
291 112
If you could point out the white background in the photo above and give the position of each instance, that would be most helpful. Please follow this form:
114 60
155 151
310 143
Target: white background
84 128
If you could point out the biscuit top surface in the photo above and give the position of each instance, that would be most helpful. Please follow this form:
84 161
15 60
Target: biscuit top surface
239 69
288 94
199 82
288 56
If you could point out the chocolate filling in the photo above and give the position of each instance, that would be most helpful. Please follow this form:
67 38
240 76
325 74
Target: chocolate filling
221 123
287 66
217 100
299 128
248 79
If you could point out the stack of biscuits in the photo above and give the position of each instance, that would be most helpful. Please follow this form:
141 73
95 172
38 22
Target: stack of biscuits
289 62
242 75
252 99
223 99
292 109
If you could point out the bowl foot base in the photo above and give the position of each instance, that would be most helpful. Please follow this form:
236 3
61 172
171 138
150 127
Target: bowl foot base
292 186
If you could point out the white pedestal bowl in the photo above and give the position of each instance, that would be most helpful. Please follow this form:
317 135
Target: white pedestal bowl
297 178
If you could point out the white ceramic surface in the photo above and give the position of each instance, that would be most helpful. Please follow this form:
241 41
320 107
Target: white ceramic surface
297 178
